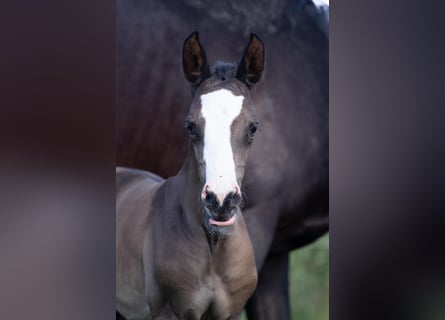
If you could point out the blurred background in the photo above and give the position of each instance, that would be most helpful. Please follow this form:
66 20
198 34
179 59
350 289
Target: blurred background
57 261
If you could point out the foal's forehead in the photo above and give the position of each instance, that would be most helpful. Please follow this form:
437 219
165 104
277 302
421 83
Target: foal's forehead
219 98
221 101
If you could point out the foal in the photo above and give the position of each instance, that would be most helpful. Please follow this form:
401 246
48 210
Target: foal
182 247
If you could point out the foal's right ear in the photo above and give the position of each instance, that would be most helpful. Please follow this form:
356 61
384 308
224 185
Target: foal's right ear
194 60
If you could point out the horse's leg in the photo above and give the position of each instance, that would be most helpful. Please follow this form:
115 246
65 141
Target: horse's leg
270 294
119 317
297 235
271 297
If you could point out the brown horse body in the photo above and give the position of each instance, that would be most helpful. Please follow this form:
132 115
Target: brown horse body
167 266
287 175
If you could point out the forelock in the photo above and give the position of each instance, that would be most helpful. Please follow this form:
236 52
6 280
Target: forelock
223 70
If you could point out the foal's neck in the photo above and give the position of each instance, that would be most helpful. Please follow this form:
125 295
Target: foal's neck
191 185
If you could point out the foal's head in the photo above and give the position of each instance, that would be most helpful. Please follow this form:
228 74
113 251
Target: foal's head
222 125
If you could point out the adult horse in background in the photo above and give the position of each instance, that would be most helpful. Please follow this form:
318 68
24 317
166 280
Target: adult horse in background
286 180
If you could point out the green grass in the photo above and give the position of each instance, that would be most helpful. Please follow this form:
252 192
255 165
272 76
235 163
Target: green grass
309 282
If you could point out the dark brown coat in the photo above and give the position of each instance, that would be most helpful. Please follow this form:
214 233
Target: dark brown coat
167 265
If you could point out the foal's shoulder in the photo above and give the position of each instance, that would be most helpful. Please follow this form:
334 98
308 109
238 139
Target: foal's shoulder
127 176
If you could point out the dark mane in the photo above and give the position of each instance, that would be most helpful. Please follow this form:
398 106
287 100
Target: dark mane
223 70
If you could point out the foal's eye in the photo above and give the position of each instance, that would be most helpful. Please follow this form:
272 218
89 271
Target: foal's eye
253 127
191 127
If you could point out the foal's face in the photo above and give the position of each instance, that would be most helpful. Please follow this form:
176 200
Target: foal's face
222 126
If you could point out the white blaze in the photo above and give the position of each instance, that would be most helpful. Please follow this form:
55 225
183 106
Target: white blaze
219 108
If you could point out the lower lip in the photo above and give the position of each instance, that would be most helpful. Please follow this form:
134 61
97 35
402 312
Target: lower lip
223 223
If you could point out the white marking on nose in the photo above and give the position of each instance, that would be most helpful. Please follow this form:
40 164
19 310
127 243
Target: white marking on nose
219 108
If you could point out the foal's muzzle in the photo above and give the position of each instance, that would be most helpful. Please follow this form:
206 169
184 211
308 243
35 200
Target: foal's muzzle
221 214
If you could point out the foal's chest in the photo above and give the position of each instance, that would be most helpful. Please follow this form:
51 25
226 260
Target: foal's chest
213 297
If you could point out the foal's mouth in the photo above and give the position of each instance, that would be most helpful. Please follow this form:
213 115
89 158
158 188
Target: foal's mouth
222 215
223 223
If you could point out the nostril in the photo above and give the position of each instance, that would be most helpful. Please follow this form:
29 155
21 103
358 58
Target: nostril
210 201
205 191
232 200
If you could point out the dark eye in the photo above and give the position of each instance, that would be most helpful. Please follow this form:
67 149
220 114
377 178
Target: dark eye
191 127
253 127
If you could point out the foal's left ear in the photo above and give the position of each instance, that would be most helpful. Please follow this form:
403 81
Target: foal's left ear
251 66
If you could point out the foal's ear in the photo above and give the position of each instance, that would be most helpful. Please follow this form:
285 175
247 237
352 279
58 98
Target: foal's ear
194 60
251 66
